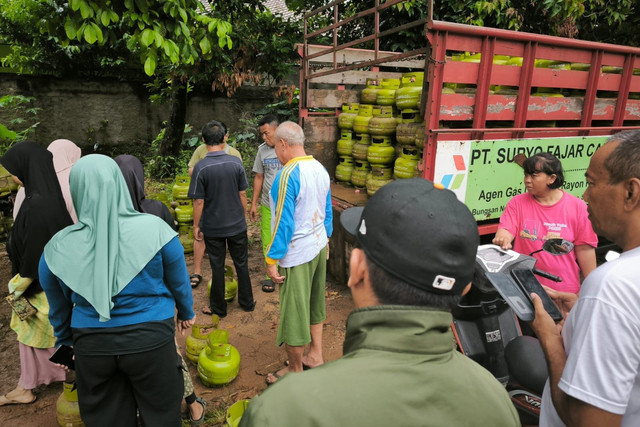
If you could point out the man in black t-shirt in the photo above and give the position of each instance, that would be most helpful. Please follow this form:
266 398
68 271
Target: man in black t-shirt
218 189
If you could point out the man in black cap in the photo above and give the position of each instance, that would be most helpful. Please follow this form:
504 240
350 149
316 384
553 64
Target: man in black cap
413 259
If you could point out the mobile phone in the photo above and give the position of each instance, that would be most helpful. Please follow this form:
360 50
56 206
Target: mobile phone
63 356
513 295
530 284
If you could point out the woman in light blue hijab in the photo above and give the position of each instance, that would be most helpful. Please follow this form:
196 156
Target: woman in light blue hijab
114 281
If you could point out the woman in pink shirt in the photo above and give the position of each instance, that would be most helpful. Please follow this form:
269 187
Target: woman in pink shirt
546 212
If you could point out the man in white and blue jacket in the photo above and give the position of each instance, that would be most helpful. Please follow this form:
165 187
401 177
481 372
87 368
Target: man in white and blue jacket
301 225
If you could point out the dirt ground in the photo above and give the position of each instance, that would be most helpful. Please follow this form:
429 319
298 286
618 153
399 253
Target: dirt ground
253 334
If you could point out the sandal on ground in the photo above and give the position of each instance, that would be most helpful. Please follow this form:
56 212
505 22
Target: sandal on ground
195 279
275 375
4 400
305 367
268 286
200 420
207 310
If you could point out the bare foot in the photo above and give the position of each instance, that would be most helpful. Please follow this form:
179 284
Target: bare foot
311 363
18 395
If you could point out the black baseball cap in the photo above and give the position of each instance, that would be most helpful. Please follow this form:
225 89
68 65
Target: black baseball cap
419 232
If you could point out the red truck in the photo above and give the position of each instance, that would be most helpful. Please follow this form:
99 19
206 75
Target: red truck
490 97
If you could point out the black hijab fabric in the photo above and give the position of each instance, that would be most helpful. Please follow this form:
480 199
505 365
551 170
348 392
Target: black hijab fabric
43 212
134 177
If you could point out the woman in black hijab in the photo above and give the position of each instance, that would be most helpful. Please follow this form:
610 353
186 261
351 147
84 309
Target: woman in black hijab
134 177
42 214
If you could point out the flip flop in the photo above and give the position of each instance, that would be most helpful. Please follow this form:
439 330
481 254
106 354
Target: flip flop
276 375
195 280
207 310
268 286
4 400
305 367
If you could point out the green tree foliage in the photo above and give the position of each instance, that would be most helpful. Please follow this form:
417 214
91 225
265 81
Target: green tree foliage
613 21
586 19
179 43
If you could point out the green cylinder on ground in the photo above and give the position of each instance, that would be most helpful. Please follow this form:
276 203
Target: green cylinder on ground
198 338
67 409
218 364
181 187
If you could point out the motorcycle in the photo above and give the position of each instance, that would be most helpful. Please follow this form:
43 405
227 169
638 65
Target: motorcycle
486 326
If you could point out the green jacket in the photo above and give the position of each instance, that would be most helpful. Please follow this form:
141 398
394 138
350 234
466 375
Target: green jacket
400 368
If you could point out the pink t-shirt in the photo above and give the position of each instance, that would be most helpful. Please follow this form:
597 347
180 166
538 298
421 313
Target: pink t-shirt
532 224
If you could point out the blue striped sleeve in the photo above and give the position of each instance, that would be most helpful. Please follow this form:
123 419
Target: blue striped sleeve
284 192
328 218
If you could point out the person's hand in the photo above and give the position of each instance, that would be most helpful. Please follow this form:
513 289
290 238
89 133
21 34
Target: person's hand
253 212
197 234
185 325
543 325
564 300
503 241
274 275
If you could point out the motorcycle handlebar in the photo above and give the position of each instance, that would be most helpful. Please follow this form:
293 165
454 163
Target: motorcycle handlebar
547 275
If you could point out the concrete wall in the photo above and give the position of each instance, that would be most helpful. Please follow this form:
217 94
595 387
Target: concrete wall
113 112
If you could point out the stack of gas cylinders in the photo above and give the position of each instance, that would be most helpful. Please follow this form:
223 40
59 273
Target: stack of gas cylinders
183 210
378 136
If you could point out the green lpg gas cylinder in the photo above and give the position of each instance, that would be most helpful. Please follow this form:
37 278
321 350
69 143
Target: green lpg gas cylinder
405 131
406 166
361 145
408 94
420 135
345 143
344 169
184 211
361 121
359 175
384 121
235 412
197 340
181 187
349 112
381 152
377 178
7 184
387 92
230 284
67 409
369 93
218 364
185 235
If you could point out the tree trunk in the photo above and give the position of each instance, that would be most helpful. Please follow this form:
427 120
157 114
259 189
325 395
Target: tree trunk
172 141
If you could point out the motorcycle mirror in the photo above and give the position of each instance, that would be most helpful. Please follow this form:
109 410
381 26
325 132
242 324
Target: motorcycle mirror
556 247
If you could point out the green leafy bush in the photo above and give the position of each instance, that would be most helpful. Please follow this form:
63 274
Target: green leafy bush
20 120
